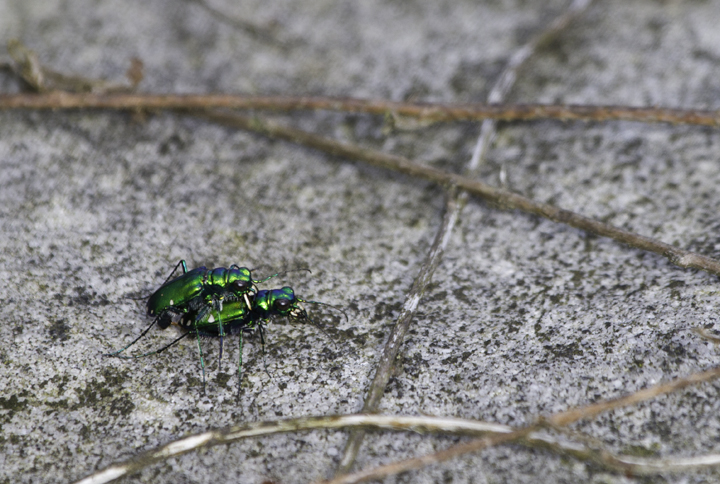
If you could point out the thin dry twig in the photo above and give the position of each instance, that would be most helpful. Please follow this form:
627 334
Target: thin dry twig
258 32
431 112
560 419
424 461
500 434
509 75
586 449
570 416
226 436
504 198
707 335
394 343
28 67
26 64
455 203
640 466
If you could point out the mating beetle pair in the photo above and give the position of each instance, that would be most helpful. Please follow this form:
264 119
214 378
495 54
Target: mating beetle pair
213 303
199 290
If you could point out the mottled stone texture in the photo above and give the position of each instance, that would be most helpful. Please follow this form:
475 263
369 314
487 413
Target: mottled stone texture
526 317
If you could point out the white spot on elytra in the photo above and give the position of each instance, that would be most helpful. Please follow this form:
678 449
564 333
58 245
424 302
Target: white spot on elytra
172 303
211 319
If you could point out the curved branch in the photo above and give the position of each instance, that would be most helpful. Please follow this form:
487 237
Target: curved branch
504 198
233 434
431 112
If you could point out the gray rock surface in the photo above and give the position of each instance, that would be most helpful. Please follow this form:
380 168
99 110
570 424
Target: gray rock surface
526 318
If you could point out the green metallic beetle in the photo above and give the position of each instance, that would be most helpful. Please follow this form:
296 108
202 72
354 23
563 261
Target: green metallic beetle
236 319
213 303
198 291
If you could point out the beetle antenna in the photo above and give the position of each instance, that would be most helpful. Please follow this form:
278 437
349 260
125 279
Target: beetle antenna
318 326
329 305
281 273
184 268
261 330
179 264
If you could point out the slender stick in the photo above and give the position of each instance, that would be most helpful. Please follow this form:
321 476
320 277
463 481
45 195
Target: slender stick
504 198
436 112
420 425
256 31
426 460
584 448
560 419
256 429
455 203
640 466
392 347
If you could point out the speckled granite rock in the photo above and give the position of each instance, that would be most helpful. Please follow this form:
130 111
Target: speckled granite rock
526 317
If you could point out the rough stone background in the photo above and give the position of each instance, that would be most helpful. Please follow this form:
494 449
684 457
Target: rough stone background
526 317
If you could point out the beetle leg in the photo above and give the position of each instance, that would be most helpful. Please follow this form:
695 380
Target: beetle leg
261 329
135 357
221 332
240 363
115 353
179 264
202 361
